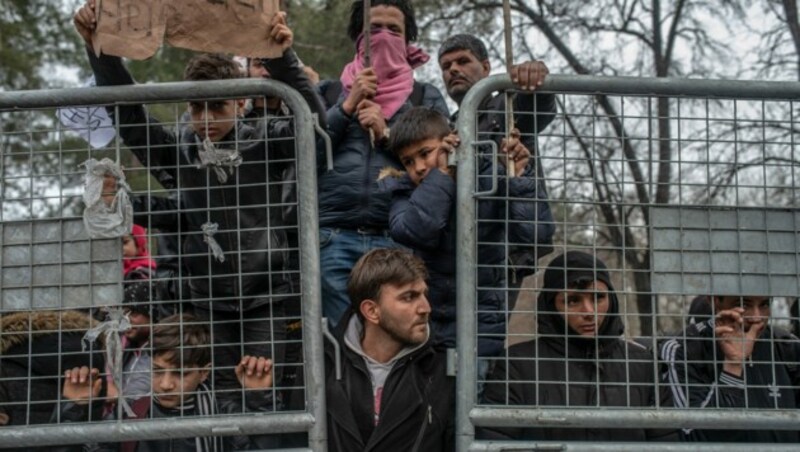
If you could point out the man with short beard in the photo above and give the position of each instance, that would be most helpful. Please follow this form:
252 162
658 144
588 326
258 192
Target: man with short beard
394 392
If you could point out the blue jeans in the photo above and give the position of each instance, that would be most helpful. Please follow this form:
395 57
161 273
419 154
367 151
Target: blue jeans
339 249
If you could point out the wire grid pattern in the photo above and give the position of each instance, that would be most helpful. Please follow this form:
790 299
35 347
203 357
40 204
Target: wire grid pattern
682 196
248 300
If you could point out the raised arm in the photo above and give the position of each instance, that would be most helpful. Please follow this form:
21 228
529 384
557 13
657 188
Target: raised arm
138 130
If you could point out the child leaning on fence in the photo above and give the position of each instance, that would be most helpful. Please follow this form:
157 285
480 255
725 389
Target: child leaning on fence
230 177
423 217
181 363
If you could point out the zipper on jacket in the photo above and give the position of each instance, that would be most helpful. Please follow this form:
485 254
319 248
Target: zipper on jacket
428 420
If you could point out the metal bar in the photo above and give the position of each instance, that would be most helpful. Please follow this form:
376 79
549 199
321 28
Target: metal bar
651 86
466 267
140 94
543 446
636 418
155 429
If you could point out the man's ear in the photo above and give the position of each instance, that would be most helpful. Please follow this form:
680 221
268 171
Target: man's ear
240 104
370 310
4 419
205 372
487 68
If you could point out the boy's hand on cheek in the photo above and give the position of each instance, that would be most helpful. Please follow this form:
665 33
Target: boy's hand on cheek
255 372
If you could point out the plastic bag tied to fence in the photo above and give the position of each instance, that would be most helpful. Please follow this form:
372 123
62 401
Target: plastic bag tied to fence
117 322
219 160
102 220
209 229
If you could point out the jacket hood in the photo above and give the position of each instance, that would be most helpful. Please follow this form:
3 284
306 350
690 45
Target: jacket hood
16 328
562 271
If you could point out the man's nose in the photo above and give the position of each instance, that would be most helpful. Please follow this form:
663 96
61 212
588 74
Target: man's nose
424 306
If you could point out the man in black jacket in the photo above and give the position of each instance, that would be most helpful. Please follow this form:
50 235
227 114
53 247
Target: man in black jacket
579 358
394 393
230 180
735 360
464 61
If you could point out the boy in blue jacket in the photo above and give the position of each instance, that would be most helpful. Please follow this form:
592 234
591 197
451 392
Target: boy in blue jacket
423 217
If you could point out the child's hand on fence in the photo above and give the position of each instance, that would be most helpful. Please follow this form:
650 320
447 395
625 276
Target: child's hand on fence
81 384
255 372
449 145
281 33
364 87
512 150
529 75
85 21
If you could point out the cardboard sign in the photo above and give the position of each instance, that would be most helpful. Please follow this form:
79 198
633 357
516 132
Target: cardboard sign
136 29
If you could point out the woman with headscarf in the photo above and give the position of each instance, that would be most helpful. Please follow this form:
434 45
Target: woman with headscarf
579 358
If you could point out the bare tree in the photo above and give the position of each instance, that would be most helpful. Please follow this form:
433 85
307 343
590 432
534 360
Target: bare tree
627 173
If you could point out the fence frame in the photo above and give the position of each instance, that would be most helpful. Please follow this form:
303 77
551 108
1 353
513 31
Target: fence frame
468 414
313 419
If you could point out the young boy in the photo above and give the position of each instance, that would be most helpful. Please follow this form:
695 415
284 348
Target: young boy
181 364
230 176
423 217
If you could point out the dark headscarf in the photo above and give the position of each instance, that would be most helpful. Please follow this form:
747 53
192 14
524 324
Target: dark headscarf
562 272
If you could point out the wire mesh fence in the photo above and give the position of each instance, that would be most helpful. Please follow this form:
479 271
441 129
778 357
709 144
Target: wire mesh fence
151 275
644 279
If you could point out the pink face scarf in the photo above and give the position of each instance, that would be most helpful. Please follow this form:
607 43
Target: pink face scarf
394 62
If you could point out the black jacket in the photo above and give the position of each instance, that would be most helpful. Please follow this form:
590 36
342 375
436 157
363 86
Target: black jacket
562 369
532 114
418 403
423 217
349 195
247 207
31 371
692 367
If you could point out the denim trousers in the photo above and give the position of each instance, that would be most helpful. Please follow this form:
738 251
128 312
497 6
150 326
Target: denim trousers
339 251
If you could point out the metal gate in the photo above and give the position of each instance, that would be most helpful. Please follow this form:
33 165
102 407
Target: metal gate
685 188
41 192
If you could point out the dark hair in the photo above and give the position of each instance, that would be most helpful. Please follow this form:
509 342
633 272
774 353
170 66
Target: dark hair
185 341
415 125
382 266
211 66
356 25
464 42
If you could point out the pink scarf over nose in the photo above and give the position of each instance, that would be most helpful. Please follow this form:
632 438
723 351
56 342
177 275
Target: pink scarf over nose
394 62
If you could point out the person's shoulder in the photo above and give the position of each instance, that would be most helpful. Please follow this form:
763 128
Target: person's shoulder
526 349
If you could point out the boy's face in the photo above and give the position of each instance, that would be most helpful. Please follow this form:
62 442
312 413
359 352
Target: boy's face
216 118
139 333
757 310
173 385
421 158
388 17
585 309
129 248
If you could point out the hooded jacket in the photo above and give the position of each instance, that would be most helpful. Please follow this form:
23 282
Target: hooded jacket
36 347
247 207
692 366
423 218
417 401
563 369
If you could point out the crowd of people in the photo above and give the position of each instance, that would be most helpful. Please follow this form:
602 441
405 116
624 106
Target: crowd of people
215 315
